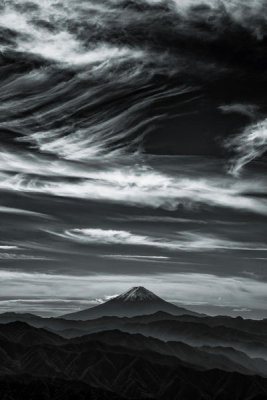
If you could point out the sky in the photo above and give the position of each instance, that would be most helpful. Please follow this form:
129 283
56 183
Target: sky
133 152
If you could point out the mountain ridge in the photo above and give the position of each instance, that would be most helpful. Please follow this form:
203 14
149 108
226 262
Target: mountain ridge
126 366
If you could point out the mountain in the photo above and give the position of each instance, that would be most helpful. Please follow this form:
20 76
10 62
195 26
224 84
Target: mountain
137 301
223 358
117 365
198 333
245 336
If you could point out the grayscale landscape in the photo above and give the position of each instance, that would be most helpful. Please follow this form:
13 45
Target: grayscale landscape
133 200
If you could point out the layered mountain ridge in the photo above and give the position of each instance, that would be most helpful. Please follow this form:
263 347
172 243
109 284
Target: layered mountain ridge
156 356
121 365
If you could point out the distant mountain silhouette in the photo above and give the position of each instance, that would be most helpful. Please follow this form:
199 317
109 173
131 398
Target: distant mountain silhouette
247 336
134 347
137 301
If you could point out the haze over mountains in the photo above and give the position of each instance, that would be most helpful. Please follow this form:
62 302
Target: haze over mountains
163 355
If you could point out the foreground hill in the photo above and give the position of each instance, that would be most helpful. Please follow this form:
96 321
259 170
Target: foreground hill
118 365
26 387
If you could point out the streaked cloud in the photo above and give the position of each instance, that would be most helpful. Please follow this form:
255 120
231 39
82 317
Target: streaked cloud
29 257
8 247
19 211
163 219
44 306
135 185
249 110
238 310
182 241
10 252
137 258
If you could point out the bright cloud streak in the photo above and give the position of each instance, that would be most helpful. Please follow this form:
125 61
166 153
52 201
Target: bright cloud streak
19 211
137 258
250 110
7 247
10 256
183 241
134 185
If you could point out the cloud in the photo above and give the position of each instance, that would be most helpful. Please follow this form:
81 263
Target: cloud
182 241
173 220
136 185
250 14
8 247
19 211
249 110
137 258
6 255
97 77
45 306
29 257
163 219
60 45
249 145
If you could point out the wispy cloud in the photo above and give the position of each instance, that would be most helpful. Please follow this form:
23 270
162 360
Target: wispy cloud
137 258
45 306
155 218
249 110
182 241
10 252
62 46
29 257
135 185
19 211
173 220
250 144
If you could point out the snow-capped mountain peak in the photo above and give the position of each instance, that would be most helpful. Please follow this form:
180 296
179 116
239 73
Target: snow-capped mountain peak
137 293
136 301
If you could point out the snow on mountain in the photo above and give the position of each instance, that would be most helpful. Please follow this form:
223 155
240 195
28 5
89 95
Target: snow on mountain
137 293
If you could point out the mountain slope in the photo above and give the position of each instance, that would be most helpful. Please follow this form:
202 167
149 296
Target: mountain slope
133 368
136 301
25 387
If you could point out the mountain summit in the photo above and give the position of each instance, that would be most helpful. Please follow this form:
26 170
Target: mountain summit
136 301
137 293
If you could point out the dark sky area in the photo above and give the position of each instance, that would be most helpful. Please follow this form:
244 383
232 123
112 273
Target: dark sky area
133 140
